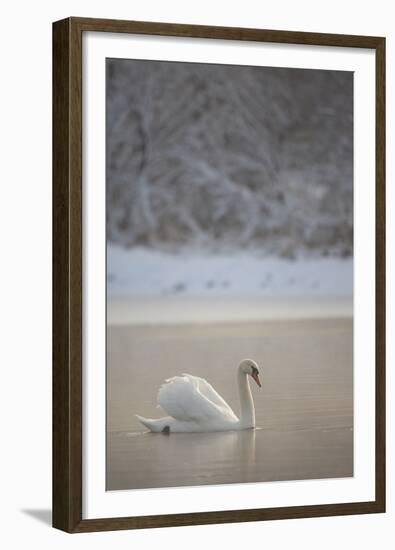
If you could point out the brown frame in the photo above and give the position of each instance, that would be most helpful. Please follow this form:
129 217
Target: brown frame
67 273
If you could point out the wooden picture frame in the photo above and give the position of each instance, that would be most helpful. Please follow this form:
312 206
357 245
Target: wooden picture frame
68 269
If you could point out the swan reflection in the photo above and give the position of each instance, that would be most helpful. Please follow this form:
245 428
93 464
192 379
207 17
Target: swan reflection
222 445
203 455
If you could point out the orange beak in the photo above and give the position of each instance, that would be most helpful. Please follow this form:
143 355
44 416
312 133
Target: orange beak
256 378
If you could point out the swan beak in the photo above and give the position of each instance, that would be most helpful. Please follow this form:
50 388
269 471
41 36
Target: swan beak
256 378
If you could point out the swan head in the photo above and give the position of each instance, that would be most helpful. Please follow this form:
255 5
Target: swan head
248 366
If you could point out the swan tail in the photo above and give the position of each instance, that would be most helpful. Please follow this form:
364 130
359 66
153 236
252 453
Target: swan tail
154 425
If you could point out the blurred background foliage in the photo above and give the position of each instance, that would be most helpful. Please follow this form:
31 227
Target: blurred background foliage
223 158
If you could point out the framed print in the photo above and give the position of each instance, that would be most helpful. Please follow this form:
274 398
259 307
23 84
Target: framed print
218 274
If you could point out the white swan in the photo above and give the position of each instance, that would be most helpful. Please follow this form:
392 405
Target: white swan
193 405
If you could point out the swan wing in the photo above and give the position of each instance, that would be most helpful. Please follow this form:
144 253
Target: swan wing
181 398
210 393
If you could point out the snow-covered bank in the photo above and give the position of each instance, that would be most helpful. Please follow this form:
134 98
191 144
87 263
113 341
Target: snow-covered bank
147 287
143 272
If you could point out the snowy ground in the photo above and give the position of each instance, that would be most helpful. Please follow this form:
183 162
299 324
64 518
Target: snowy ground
140 271
151 286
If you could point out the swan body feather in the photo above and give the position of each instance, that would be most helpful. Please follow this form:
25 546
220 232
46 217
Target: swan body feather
193 405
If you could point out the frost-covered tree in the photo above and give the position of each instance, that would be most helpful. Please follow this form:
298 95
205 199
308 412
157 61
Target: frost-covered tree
225 157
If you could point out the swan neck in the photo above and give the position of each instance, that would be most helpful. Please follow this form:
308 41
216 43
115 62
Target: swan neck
247 411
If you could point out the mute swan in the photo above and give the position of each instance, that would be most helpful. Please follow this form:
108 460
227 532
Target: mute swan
193 405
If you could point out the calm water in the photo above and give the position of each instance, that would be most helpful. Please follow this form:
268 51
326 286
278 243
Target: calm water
303 410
